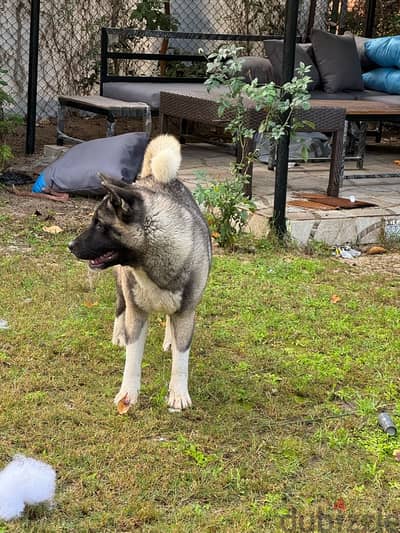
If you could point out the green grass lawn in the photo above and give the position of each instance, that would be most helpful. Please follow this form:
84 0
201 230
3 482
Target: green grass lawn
286 387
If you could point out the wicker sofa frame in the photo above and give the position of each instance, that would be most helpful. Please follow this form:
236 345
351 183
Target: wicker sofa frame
198 105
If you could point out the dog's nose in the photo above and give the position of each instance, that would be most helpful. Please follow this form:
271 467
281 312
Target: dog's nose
71 246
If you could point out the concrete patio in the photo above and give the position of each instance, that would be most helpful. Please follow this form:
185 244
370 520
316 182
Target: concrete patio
334 227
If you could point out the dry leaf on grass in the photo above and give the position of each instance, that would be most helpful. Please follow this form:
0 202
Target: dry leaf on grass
396 454
90 304
335 298
374 250
339 505
123 405
52 229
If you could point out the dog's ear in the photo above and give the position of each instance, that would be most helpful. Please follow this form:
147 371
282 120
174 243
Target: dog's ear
121 195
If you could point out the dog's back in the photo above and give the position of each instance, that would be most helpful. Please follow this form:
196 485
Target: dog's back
181 249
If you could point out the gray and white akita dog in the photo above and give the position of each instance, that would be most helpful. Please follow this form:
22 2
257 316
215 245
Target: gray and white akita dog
155 236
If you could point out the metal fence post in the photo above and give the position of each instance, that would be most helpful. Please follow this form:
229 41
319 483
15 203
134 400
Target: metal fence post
33 75
281 171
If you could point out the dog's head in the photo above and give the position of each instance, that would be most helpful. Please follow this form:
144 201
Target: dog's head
116 233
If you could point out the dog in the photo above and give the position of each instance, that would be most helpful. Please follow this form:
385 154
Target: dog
154 235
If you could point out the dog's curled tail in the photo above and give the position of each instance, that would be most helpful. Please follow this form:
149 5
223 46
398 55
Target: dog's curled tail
162 159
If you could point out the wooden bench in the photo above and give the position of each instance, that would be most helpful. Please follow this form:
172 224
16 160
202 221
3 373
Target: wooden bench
109 107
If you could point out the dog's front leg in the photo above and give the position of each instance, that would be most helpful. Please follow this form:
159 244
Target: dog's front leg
119 333
130 387
181 328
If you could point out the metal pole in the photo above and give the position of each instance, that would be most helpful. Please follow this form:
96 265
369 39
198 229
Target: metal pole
33 75
369 27
281 171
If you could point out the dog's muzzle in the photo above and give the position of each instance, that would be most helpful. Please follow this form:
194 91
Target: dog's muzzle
72 246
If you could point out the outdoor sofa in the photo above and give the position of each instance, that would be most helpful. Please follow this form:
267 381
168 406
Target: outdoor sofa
337 63
136 65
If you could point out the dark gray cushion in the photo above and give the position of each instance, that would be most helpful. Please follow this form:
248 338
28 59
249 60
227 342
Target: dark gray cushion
119 157
274 51
256 67
366 63
142 91
337 60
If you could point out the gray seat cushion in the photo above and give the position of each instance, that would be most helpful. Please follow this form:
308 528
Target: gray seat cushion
378 96
274 51
342 95
338 61
138 91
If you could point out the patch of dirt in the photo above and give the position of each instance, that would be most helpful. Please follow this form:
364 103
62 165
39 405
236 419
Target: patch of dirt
387 263
70 216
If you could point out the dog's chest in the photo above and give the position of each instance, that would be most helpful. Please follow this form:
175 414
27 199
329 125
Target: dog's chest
151 298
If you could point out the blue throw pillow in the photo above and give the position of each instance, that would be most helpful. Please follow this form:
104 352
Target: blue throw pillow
383 79
384 51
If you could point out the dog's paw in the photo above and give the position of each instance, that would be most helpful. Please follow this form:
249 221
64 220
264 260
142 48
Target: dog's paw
119 339
119 332
125 399
179 398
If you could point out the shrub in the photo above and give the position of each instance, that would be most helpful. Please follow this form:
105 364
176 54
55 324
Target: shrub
7 123
226 208
225 204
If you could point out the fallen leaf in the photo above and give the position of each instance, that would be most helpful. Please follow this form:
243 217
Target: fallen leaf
396 455
123 405
339 505
215 234
52 229
335 298
90 304
374 250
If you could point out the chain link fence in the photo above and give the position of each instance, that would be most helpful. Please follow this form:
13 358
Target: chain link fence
387 17
69 42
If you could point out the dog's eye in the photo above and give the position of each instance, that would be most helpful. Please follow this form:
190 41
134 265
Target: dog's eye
99 226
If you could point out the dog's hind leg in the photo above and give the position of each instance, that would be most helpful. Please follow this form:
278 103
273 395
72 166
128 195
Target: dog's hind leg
182 326
168 336
130 387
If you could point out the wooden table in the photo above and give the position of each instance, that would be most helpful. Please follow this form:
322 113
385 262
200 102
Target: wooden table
362 111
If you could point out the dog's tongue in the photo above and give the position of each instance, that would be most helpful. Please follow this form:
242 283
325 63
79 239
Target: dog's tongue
102 259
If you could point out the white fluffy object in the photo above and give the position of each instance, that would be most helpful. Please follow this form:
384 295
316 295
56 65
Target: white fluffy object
25 481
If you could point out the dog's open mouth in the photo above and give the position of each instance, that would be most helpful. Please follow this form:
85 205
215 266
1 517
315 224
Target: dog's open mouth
103 260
